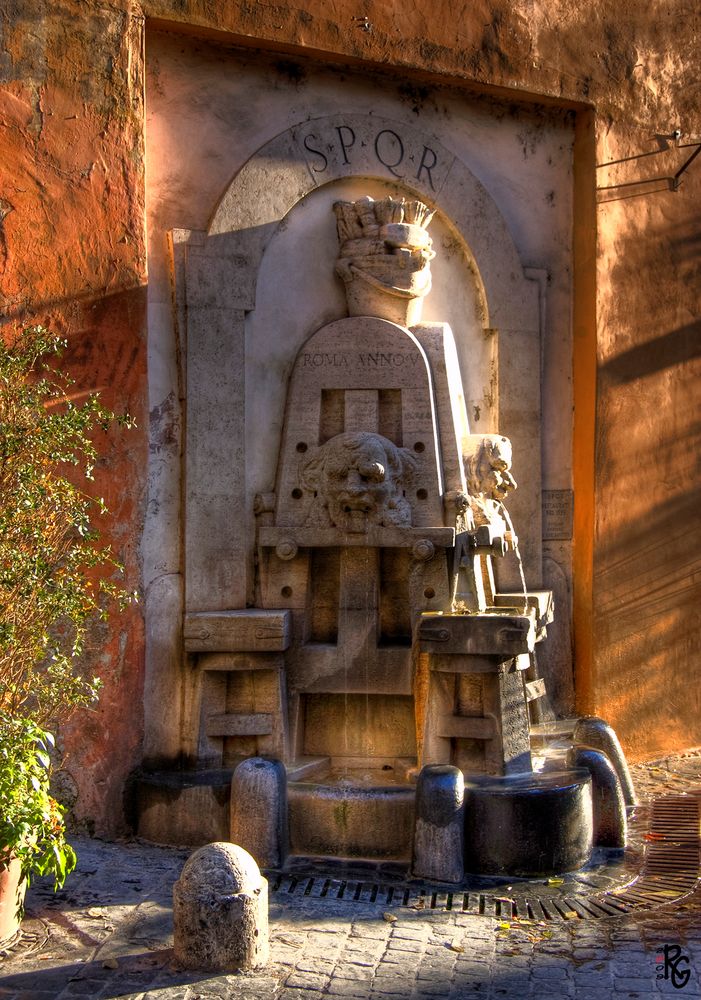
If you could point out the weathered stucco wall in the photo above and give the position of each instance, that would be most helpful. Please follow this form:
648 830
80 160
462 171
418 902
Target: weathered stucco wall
72 251
646 613
72 255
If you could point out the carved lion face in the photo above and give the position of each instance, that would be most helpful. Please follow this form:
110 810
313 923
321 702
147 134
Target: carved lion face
359 479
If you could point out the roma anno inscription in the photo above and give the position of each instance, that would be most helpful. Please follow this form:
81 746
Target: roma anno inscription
368 359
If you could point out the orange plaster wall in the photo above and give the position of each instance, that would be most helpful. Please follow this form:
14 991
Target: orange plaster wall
72 252
584 390
647 568
72 255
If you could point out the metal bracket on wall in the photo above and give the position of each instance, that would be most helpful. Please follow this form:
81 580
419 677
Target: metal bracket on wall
668 182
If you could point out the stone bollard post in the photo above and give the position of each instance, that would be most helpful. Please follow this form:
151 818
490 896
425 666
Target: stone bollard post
609 808
220 911
439 836
258 817
591 731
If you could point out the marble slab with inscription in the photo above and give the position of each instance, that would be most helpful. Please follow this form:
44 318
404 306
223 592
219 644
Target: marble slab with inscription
558 511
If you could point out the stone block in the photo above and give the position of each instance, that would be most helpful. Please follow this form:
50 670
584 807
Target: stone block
216 549
351 822
250 630
184 808
506 701
505 635
220 911
374 536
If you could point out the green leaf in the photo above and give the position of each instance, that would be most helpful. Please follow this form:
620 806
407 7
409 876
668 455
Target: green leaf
56 578
58 581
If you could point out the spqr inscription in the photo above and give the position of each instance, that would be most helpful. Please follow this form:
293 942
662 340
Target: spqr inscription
386 146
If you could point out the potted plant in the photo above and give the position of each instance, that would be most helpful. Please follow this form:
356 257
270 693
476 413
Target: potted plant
53 583
32 831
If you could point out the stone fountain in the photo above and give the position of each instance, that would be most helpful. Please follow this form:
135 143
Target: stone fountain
409 683
386 694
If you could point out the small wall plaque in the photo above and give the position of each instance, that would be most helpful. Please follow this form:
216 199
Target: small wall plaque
557 514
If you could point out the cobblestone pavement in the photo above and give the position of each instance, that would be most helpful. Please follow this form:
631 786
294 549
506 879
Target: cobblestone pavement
108 934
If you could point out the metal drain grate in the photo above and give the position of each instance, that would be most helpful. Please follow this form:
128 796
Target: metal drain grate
672 859
670 872
580 907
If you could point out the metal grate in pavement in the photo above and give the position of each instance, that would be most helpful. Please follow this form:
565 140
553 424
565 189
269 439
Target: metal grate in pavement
670 872
672 859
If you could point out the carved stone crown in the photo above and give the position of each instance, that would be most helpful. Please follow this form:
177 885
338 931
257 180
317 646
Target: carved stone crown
384 256
364 218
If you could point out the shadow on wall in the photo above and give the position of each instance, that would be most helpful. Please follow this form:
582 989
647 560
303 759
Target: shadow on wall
647 573
666 351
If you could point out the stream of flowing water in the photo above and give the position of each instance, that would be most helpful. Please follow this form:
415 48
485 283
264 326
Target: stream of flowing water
510 525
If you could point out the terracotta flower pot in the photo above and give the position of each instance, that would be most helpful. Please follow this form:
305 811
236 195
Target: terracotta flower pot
12 889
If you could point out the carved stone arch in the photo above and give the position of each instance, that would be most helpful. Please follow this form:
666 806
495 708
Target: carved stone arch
317 152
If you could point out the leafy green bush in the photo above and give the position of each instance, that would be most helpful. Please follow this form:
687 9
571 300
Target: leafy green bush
55 579
52 568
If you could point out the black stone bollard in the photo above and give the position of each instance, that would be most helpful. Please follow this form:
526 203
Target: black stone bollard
609 808
439 824
591 731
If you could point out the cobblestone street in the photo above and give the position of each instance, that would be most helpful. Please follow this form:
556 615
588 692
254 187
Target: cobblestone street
108 934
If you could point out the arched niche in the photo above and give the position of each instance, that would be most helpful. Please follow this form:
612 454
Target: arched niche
318 152
243 292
